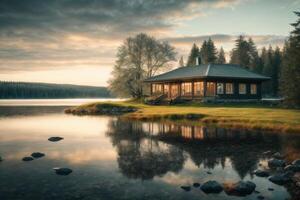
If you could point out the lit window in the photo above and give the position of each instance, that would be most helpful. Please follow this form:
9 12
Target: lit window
242 88
166 88
220 88
156 88
186 89
229 88
253 89
210 89
198 89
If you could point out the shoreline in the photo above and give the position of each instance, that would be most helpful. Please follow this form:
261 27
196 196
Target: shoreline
237 116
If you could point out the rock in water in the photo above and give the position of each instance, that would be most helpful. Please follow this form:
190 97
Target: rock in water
37 155
260 197
261 173
55 139
62 171
196 184
241 188
296 162
280 179
278 155
186 188
1 159
294 168
27 158
212 187
276 163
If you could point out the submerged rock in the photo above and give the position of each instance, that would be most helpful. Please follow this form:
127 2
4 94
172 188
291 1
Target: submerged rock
37 155
261 173
271 189
1 159
62 171
186 188
294 168
276 163
260 197
278 155
212 187
55 139
267 152
281 179
296 162
27 158
241 188
196 184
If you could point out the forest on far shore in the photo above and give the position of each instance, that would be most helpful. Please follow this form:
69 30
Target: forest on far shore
27 90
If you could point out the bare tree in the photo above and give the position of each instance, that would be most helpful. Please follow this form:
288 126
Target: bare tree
138 58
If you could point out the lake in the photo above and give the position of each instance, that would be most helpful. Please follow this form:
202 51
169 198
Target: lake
112 158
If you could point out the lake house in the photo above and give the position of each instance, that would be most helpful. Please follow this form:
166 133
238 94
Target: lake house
208 82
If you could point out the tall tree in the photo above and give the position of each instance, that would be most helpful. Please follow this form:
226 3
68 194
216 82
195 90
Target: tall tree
240 54
208 52
277 60
193 55
290 71
181 62
253 55
267 71
221 57
138 58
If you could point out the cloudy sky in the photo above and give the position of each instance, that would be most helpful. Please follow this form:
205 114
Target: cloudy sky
75 41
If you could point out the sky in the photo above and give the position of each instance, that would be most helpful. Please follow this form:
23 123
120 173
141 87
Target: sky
76 41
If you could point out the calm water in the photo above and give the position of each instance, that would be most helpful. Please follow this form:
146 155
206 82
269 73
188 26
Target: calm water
117 159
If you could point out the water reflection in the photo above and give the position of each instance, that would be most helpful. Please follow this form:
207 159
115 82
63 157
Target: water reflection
113 158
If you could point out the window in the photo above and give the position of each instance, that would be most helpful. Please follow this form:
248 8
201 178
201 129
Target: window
253 89
156 88
166 88
242 88
229 88
198 89
220 88
210 89
186 89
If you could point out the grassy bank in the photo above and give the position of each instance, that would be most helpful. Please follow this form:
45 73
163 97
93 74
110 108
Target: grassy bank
247 116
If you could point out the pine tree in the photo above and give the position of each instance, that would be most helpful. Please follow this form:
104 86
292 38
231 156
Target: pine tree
181 62
193 55
267 71
221 57
277 59
208 52
240 54
254 58
290 71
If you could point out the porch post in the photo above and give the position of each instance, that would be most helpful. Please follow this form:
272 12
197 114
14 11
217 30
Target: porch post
192 89
204 88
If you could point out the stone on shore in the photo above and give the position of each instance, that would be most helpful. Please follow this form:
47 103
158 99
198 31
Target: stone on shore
212 187
55 139
37 155
196 184
278 155
62 171
276 163
294 168
261 173
27 158
241 188
296 162
186 188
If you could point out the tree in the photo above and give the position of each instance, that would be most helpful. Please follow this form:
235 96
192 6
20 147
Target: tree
221 57
267 71
254 57
277 59
290 71
138 58
208 52
240 54
193 55
181 62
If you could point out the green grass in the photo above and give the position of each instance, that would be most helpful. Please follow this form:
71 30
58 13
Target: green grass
238 115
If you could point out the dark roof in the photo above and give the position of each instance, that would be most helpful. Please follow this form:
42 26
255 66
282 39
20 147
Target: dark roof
208 71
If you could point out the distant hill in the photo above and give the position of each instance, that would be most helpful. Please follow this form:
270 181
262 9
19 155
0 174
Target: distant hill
27 90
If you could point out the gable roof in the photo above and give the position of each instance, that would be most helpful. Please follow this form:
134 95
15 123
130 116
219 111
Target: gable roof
208 71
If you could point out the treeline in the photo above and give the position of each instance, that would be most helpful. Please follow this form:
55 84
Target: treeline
245 54
24 90
282 65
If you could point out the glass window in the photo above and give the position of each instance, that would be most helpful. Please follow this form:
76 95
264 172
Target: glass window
186 89
229 88
210 89
166 88
156 88
220 88
198 88
242 88
253 89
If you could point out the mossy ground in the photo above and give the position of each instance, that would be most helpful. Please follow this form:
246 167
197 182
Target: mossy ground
231 115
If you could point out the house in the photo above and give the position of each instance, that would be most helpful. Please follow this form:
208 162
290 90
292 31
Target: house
208 81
